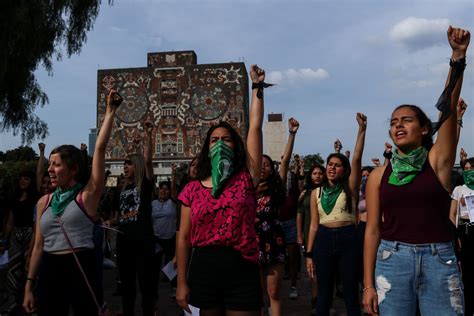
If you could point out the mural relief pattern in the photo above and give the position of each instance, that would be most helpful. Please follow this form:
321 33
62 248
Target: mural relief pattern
183 101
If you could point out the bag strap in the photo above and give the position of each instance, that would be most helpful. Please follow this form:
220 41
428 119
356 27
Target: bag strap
102 308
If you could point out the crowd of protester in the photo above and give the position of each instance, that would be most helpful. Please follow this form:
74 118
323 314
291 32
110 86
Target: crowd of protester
397 236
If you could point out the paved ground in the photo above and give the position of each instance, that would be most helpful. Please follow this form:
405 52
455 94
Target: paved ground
167 306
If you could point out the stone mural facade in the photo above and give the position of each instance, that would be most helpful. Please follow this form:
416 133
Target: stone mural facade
182 99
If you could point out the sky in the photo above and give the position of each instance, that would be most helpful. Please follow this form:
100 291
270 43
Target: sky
329 59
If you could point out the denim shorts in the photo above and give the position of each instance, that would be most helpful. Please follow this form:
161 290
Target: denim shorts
289 229
426 274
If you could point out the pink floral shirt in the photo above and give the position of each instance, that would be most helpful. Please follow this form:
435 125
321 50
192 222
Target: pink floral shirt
227 221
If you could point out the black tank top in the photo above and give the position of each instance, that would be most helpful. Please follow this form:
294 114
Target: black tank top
417 212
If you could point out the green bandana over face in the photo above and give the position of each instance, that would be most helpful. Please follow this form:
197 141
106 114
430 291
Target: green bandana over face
329 197
468 176
222 157
405 168
62 198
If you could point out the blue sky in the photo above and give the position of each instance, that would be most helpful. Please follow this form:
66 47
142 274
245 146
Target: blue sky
330 60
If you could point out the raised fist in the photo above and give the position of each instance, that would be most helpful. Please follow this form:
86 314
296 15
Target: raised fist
41 147
361 119
114 99
461 108
293 125
257 74
458 39
376 162
337 146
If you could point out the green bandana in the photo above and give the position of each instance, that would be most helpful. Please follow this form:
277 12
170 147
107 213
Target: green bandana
405 168
468 176
222 157
62 198
329 197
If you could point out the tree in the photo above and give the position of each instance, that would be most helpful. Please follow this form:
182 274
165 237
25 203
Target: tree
310 160
30 33
22 153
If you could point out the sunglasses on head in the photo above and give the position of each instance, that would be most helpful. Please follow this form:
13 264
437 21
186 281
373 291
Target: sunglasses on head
128 162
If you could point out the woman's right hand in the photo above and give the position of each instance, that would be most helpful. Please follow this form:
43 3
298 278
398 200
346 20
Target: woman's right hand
371 301
29 302
182 297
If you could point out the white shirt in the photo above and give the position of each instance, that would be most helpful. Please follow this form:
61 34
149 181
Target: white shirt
460 192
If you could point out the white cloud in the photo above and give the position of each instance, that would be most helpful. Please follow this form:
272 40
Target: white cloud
418 33
297 75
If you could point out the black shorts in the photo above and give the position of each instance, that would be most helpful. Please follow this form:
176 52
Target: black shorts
221 277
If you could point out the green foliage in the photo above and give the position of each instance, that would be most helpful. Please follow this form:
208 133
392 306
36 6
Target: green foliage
22 153
310 160
30 33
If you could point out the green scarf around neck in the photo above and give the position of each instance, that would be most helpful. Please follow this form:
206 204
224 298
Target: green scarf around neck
406 167
468 176
61 198
222 157
329 196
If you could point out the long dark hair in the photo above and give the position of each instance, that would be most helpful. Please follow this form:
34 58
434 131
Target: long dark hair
309 185
73 157
468 160
31 191
274 184
345 177
424 121
204 162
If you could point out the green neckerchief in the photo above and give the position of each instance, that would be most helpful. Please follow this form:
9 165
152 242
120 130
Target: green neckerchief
329 196
222 157
62 198
468 176
405 168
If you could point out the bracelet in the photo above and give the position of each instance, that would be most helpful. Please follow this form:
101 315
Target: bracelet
293 133
367 288
460 123
308 254
30 279
388 155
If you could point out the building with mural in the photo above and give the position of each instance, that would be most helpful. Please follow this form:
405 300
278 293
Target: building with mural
182 99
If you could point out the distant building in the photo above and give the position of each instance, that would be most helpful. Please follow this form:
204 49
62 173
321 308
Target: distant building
182 99
92 140
274 136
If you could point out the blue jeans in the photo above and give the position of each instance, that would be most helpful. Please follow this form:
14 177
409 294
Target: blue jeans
336 251
409 274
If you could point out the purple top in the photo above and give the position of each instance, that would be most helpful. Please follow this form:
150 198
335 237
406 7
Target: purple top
417 212
226 221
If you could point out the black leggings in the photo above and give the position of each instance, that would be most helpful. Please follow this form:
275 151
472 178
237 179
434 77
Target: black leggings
135 258
61 285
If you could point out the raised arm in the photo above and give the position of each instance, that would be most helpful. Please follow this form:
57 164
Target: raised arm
254 146
293 126
174 187
387 153
40 167
443 152
337 146
356 165
461 109
96 184
148 151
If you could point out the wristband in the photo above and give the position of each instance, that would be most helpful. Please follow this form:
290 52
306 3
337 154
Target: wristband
292 132
460 123
308 254
458 62
30 279
388 154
